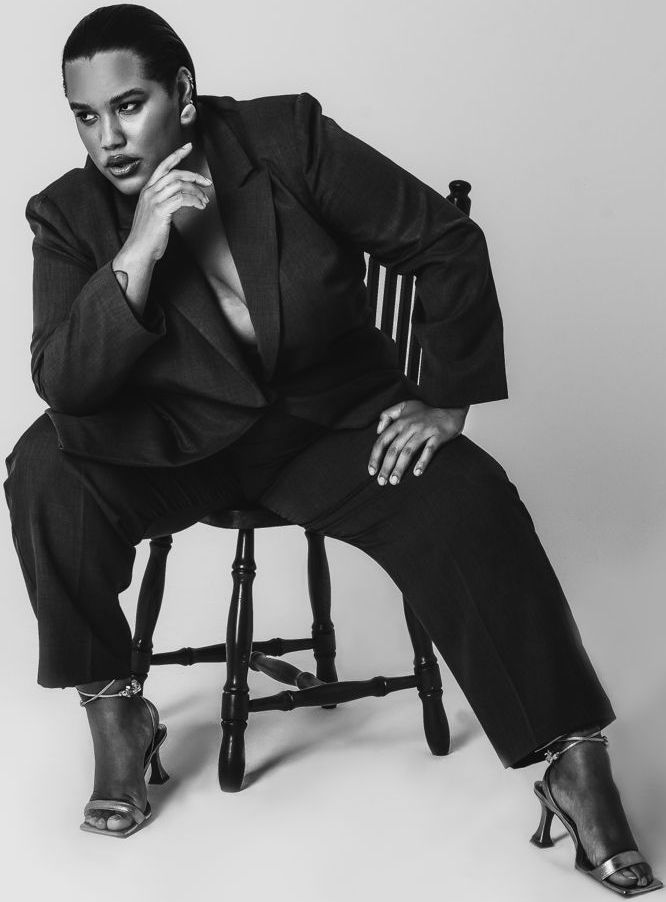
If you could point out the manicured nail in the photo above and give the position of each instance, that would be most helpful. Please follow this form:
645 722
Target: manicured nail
381 480
371 471
394 479
417 472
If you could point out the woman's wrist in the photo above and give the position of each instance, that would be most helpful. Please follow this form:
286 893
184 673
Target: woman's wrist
133 271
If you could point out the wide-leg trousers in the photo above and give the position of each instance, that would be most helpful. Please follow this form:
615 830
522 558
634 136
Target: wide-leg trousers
457 541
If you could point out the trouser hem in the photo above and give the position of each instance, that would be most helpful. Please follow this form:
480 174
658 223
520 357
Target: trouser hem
534 754
51 679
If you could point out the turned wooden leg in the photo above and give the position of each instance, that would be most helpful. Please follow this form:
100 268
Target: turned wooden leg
319 588
235 698
148 606
429 683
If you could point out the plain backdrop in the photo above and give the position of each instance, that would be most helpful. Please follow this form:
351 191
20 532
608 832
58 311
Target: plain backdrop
554 112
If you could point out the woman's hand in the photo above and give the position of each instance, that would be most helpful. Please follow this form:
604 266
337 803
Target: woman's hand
403 430
166 191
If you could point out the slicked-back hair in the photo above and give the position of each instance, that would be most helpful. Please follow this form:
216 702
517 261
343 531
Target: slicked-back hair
126 26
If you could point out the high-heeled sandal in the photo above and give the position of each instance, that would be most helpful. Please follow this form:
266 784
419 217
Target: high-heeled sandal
152 759
549 807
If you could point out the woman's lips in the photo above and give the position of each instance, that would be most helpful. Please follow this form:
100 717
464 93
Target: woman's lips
125 169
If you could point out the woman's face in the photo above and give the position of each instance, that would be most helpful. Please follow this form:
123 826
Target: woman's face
121 114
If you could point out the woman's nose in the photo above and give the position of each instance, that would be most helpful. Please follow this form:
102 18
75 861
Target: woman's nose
111 134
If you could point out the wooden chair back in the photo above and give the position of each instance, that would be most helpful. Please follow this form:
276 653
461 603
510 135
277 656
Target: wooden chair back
392 295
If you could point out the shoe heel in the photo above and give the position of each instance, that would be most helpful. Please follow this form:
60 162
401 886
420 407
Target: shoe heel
541 837
157 773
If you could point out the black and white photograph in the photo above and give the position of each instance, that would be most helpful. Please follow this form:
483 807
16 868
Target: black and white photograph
333 376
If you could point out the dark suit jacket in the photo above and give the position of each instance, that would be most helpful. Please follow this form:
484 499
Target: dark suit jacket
301 199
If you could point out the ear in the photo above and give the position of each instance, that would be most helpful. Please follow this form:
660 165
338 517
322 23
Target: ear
185 93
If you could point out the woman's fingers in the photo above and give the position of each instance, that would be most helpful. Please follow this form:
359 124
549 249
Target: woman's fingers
401 452
403 429
387 433
168 163
181 177
183 199
390 414
167 190
180 188
393 450
165 172
425 457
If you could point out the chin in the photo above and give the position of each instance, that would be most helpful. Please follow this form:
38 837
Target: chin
129 190
128 186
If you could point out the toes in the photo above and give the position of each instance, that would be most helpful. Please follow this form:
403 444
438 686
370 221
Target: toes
625 877
118 822
644 874
100 821
95 819
636 875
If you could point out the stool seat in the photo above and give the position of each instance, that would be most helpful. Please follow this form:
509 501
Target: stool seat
244 518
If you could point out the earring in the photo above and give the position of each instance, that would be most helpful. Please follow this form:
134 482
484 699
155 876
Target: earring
189 113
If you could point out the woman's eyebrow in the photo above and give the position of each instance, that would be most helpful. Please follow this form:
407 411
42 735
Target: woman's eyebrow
84 106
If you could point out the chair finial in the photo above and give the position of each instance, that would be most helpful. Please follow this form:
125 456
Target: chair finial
459 195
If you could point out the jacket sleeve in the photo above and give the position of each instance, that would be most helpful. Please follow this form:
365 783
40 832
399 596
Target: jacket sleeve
85 337
383 209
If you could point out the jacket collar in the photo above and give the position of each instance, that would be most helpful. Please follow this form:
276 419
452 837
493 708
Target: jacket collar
245 202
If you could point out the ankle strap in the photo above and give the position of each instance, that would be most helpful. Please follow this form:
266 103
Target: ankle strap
132 688
595 737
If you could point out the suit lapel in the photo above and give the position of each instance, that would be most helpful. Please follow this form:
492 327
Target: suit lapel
245 202
249 220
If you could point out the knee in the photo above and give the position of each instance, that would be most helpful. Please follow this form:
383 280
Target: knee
465 483
482 483
34 462
462 457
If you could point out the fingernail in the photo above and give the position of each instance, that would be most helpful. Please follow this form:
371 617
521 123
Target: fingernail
394 479
417 472
371 471
381 480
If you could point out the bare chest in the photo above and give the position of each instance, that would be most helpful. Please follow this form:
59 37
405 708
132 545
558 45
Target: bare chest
203 232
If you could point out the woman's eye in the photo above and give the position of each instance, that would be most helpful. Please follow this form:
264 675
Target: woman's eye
123 108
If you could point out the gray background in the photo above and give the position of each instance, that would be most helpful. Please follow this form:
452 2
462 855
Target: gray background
554 112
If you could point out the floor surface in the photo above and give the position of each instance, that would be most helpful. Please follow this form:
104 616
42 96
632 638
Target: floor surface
344 804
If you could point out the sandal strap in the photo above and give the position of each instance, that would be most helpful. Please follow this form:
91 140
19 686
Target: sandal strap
595 737
616 863
154 719
132 688
126 808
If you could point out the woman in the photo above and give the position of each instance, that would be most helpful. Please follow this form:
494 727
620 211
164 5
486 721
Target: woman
232 357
